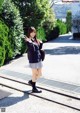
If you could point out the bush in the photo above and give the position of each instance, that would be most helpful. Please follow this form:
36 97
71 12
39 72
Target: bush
1 2
11 16
53 34
24 47
37 13
2 55
8 51
69 21
62 27
41 34
5 48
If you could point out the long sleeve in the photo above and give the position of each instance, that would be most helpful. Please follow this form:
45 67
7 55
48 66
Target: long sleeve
30 45
33 51
40 46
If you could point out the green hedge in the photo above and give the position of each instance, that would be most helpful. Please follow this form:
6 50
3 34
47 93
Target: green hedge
5 47
1 2
41 34
62 27
53 34
11 15
69 21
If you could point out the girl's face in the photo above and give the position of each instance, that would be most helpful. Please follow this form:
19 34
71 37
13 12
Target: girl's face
32 34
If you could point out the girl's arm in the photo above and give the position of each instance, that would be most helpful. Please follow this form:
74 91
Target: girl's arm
40 44
29 44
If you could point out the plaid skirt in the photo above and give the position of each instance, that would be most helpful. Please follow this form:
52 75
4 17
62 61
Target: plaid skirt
36 65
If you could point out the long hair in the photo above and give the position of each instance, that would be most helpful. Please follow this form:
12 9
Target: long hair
30 30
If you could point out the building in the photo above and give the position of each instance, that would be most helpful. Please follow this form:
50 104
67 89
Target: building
70 0
61 9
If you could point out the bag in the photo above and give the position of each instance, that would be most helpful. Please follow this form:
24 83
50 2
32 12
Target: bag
42 54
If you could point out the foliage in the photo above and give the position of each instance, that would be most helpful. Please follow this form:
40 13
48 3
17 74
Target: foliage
41 34
48 21
11 16
30 13
62 27
5 49
1 2
69 20
15 18
53 34
36 13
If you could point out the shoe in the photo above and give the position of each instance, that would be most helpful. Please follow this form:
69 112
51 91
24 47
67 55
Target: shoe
30 82
36 91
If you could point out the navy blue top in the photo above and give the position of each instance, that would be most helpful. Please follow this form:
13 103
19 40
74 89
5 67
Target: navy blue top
34 55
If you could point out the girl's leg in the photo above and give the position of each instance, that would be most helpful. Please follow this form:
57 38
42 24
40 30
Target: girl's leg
39 73
34 75
33 81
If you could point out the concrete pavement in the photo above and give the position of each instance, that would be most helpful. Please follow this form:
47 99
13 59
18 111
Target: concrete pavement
62 63
63 60
19 102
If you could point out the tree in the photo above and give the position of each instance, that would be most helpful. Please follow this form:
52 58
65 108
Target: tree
69 20
62 27
5 47
1 2
30 13
48 21
10 14
52 2
36 13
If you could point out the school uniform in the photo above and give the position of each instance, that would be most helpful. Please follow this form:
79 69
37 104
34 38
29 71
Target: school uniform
34 55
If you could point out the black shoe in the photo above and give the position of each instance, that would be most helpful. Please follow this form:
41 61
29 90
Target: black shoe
36 91
30 82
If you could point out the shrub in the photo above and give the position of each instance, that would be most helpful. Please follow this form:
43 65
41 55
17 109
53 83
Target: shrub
5 48
53 34
41 34
1 2
11 16
69 21
2 54
8 51
36 13
62 27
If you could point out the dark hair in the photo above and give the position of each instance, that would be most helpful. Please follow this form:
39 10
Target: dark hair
30 30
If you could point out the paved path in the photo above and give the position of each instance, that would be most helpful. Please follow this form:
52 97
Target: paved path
62 63
63 60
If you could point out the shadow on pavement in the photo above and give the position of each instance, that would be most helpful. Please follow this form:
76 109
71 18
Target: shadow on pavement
64 39
13 100
63 50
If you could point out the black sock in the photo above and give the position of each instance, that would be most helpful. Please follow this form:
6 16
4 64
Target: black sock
34 85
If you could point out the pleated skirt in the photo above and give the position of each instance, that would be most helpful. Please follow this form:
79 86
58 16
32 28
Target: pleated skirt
36 65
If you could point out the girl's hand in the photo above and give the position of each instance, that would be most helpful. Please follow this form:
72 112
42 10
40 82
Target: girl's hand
27 39
39 41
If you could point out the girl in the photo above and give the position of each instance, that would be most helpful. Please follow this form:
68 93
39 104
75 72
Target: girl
34 45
